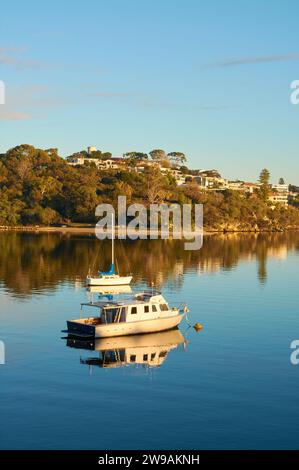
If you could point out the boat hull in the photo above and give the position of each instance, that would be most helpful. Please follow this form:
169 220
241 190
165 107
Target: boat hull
126 328
115 281
170 338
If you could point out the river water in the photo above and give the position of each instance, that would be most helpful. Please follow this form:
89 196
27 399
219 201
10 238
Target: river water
230 386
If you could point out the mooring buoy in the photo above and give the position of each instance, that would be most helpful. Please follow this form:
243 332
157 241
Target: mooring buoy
197 327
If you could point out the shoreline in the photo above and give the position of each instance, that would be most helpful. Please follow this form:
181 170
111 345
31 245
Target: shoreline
91 230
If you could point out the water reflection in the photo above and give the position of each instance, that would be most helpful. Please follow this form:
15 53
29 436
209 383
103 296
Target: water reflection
148 350
109 290
106 293
31 263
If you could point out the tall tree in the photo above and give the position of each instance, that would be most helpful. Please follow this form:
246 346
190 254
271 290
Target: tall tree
178 158
158 155
281 181
264 180
264 177
155 186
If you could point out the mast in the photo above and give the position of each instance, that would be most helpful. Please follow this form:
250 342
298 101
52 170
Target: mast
112 234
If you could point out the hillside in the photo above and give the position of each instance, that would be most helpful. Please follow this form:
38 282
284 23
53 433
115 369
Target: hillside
38 187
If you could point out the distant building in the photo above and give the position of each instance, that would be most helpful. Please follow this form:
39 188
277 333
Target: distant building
214 182
279 198
242 186
294 198
76 159
211 179
112 163
91 149
279 194
177 174
141 166
192 179
236 185
280 188
250 187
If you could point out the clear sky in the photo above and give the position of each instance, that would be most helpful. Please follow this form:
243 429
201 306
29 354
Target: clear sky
209 78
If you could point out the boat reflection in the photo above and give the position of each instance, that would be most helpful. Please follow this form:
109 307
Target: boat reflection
109 290
106 292
148 350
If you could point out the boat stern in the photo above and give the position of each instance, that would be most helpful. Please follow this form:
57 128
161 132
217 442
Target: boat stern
77 328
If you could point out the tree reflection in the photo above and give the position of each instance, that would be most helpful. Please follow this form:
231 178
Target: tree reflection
31 263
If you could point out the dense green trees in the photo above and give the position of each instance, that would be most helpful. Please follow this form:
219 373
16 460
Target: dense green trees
99 154
136 155
37 187
159 155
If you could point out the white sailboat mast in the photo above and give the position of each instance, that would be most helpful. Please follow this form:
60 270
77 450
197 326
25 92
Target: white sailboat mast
112 234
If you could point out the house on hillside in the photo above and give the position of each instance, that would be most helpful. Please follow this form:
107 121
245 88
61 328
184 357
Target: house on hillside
113 163
279 194
236 185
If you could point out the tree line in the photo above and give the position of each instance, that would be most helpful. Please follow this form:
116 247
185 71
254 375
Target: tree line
156 155
38 187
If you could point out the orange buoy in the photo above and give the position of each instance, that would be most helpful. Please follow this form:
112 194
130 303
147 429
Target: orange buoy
197 327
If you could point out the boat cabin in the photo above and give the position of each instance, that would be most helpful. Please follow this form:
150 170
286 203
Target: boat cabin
144 306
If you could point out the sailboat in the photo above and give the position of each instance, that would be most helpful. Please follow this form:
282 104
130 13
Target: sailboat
109 278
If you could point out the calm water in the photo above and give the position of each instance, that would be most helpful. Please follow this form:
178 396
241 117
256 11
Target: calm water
231 386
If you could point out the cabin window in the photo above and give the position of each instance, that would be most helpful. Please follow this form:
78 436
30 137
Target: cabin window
110 315
163 354
133 358
153 356
123 314
163 307
133 310
145 357
146 309
154 308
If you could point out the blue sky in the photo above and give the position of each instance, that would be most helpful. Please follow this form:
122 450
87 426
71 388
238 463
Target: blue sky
209 78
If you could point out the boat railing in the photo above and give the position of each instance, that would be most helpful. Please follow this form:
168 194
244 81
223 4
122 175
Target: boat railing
147 294
99 304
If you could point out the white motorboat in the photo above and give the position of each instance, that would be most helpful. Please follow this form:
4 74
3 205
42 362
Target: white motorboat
109 278
146 312
149 350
